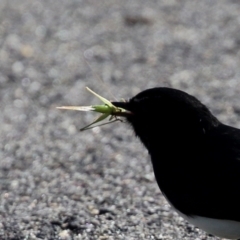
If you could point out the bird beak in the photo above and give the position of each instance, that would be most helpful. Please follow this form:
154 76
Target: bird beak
107 109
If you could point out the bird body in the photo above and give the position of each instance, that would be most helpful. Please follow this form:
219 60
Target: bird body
195 157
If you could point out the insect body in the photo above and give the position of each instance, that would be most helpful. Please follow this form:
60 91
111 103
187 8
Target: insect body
107 109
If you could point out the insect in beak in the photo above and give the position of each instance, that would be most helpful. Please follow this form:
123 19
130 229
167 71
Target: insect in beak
107 110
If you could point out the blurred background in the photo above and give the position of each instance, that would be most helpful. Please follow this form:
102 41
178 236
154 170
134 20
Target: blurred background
58 183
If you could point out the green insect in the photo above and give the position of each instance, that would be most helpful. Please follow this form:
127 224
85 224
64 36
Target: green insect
108 109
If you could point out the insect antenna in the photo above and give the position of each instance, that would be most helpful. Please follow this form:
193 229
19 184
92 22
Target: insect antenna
100 79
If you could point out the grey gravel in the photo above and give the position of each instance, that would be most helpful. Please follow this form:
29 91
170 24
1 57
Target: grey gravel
58 183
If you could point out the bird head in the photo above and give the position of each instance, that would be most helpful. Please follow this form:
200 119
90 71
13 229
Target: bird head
167 114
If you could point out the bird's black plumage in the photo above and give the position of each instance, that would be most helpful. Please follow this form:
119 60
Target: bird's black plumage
195 157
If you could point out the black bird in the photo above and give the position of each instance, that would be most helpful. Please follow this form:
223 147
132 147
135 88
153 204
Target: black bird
195 157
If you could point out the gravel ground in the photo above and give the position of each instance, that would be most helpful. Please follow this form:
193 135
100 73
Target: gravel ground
58 183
